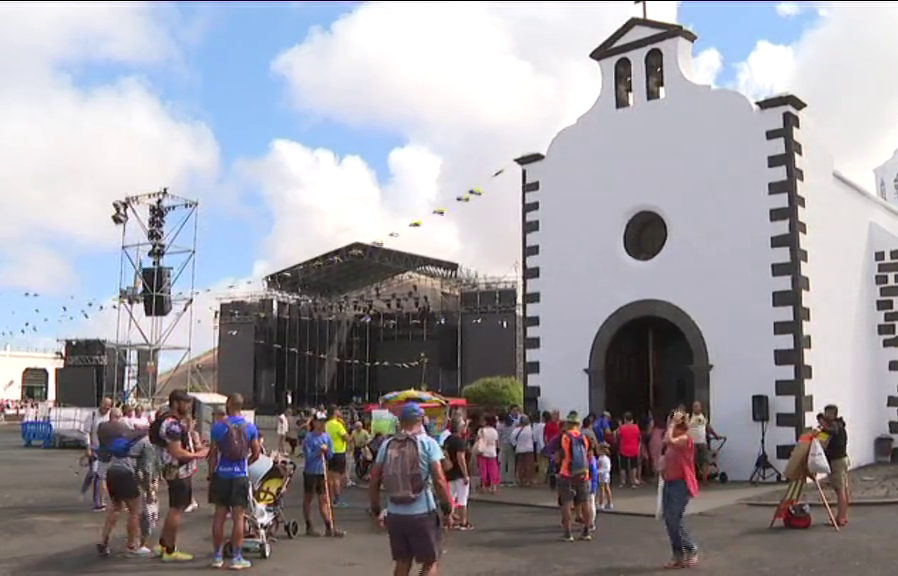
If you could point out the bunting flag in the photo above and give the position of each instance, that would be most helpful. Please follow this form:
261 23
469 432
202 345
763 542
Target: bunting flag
465 198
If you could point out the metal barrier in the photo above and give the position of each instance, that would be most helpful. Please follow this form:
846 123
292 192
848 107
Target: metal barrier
38 431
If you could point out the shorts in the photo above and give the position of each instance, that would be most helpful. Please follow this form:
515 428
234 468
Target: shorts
229 492
838 476
337 464
629 462
415 537
99 468
702 455
313 484
604 478
122 485
574 490
460 491
180 493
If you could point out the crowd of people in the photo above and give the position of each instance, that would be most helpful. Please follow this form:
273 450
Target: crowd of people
424 476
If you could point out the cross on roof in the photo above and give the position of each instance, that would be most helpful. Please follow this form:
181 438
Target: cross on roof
644 3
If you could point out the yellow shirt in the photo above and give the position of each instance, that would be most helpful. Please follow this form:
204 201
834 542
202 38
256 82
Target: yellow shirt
337 431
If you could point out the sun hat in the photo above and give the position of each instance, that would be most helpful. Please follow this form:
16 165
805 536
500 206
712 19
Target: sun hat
572 417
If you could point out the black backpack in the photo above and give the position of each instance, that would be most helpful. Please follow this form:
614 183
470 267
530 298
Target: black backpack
155 432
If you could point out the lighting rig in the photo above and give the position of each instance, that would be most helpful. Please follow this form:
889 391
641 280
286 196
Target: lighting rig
156 256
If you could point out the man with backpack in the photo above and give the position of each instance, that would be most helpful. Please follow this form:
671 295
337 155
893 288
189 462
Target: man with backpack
235 444
572 458
124 453
408 468
170 432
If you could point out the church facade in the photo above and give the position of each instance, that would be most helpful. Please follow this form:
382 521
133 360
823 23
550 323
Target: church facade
684 243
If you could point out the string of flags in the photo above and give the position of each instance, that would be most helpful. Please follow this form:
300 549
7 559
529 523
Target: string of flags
40 319
465 198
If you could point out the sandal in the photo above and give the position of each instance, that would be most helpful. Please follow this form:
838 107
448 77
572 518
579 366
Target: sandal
841 523
674 565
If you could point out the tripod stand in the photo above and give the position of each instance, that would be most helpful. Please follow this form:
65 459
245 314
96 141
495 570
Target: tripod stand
764 468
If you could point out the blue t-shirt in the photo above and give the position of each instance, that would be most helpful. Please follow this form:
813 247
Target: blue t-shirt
232 468
429 453
311 450
600 427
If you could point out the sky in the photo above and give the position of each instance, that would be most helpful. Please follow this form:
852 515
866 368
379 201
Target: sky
300 127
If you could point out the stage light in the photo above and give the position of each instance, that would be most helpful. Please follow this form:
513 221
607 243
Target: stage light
120 217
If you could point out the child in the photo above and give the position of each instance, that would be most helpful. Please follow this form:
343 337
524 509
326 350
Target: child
593 486
604 478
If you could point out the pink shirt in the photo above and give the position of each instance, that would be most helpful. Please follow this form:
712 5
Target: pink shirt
629 435
679 464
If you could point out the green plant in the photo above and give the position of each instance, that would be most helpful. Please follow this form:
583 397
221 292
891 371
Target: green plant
495 391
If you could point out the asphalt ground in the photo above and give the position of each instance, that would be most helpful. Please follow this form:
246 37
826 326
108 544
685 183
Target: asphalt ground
46 530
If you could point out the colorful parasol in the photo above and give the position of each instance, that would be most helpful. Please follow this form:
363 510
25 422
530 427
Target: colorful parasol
403 396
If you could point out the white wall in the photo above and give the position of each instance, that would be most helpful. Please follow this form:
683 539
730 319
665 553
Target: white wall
846 226
13 363
697 157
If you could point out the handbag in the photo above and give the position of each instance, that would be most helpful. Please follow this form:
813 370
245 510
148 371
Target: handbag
480 444
817 461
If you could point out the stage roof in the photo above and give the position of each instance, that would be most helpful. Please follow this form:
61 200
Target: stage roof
353 267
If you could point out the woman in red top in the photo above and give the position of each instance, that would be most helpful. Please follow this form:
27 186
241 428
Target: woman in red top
629 438
680 485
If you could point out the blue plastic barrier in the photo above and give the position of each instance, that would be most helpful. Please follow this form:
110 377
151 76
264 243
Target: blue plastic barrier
40 431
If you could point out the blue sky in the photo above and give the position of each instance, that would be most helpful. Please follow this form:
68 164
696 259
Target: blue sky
224 79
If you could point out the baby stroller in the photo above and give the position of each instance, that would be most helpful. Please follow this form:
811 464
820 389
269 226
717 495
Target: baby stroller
714 471
269 481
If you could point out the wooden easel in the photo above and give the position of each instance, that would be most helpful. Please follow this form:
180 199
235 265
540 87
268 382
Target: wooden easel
798 475
793 495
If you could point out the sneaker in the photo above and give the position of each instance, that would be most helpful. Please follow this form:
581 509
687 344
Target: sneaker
101 508
585 536
141 552
193 506
334 533
103 550
240 564
609 507
312 533
158 551
568 537
177 556
217 562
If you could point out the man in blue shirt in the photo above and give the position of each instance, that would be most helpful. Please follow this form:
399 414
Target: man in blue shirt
413 520
318 449
235 443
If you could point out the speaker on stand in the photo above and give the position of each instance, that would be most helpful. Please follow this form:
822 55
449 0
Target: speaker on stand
764 468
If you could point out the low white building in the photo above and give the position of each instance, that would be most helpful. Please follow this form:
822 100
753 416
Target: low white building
28 375
682 242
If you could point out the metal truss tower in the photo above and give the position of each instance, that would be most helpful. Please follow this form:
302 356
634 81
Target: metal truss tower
156 289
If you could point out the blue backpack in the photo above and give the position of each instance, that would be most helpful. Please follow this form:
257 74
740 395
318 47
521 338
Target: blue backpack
119 447
579 454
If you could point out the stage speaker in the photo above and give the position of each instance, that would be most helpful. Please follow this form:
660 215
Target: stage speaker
156 291
760 408
447 336
470 300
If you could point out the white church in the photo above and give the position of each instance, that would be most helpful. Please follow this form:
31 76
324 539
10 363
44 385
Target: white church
684 243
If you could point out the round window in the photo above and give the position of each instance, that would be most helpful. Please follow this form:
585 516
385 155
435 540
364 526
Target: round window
645 235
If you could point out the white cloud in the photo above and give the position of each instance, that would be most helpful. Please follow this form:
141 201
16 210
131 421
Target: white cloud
69 151
473 84
842 68
707 66
319 201
767 70
788 9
